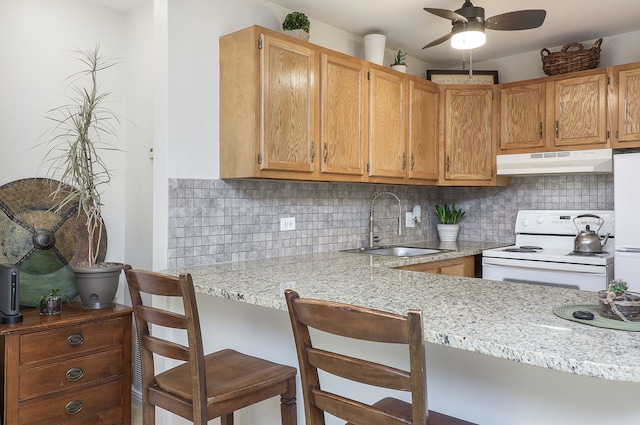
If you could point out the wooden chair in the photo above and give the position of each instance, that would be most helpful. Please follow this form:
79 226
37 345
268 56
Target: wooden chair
368 325
204 387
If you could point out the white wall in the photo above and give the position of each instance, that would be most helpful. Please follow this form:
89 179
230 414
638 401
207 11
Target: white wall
615 50
37 38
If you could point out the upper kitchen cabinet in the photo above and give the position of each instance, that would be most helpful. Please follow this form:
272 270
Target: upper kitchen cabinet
564 112
268 105
388 124
470 121
625 103
423 130
523 114
580 111
403 128
343 115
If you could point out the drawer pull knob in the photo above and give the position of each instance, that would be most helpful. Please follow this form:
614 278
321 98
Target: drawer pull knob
73 407
75 340
75 374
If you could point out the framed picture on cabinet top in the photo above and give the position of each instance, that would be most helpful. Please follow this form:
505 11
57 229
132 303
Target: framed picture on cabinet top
462 77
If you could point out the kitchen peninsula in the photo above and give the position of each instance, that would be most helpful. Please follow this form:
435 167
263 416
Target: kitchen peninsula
496 353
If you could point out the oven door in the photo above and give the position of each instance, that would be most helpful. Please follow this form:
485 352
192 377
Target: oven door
574 276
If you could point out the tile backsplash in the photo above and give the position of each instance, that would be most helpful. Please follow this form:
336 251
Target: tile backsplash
213 221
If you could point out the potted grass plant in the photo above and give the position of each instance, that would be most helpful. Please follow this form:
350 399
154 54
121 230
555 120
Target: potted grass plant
74 158
449 216
297 25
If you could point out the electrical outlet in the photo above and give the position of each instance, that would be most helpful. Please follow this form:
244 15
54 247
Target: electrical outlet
287 223
408 218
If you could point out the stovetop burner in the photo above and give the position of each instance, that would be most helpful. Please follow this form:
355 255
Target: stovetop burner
525 248
588 254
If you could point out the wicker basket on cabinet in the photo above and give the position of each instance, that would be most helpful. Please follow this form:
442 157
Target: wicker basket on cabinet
571 60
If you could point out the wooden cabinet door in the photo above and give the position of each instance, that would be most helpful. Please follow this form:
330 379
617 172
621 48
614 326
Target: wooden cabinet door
580 111
468 134
423 130
288 99
522 116
627 124
343 117
387 124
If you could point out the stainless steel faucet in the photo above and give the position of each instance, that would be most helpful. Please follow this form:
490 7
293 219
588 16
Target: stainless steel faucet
372 238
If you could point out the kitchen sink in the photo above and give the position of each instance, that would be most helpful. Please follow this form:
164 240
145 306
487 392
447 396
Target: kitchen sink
396 251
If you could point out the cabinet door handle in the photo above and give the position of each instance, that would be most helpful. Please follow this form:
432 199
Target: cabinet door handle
74 374
73 407
447 165
541 135
557 129
413 161
325 153
75 340
313 151
404 160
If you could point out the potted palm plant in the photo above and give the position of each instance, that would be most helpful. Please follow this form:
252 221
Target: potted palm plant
449 216
74 158
297 25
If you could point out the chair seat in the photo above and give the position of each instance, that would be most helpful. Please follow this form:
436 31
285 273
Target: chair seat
403 408
230 374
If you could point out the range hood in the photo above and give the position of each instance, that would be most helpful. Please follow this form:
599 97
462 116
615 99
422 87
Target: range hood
597 161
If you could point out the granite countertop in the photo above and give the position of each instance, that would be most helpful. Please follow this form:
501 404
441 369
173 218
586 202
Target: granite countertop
500 319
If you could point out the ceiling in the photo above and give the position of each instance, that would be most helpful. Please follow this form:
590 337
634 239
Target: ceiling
408 26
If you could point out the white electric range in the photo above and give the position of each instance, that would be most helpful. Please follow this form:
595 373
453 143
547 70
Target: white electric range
543 253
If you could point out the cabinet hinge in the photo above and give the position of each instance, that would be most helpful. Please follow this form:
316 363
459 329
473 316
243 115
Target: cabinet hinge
259 42
259 158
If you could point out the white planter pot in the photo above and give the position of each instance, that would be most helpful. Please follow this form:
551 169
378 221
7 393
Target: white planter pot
399 68
299 33
448 232
374 45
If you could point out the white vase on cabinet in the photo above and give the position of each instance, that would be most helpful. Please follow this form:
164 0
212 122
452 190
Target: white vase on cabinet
374 45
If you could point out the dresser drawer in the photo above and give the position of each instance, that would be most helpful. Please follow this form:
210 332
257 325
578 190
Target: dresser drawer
110 417
60 376
72 407
70 341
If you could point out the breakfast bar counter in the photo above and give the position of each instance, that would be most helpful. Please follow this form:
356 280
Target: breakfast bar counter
498 328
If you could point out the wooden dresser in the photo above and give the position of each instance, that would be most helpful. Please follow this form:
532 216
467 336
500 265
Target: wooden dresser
73 368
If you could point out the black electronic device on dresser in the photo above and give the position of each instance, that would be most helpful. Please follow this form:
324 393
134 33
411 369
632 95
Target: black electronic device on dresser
9 282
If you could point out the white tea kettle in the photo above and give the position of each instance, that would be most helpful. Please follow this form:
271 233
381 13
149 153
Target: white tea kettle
588 241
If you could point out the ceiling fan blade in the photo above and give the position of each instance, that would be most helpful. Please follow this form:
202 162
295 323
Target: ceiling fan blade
518 20
439 40
447 14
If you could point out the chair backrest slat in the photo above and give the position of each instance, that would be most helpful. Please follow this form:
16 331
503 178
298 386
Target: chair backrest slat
165 348
364 324
159 317
359 370
354 412
344 320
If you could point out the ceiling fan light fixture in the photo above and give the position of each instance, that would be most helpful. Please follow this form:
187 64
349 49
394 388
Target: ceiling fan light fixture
467 40
469 35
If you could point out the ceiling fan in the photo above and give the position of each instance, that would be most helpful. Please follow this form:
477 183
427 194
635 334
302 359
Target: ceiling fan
468 24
